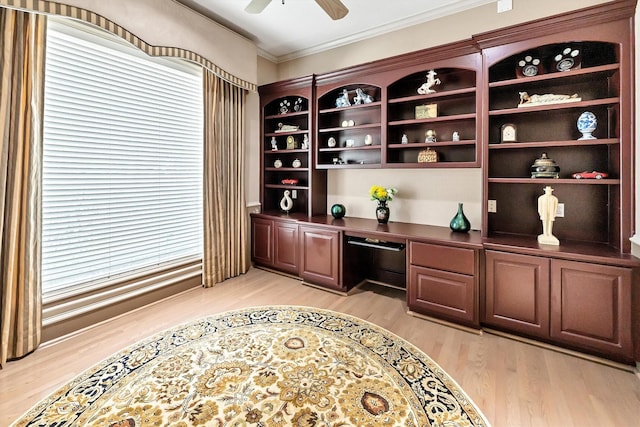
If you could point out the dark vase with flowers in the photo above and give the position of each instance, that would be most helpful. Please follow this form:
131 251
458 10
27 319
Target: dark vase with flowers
382 212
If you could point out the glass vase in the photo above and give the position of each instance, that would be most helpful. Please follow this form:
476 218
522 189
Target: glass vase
382 213
460 223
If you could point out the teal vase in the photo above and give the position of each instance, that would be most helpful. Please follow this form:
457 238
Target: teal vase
460 223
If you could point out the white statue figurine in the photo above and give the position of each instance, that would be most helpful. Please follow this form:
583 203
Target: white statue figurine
274 143
362 98
286 203
343 100
547 209
432 80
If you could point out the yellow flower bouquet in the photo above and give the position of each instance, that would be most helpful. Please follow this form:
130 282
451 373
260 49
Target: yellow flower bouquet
382 194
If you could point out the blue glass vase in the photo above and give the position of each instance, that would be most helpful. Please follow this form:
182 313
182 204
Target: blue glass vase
460 223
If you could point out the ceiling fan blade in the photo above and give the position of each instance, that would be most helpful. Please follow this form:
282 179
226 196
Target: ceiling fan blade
334 8
256 6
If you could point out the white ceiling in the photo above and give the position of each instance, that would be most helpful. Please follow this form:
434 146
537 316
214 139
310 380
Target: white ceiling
300 27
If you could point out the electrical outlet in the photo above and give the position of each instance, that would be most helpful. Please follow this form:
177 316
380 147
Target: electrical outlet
294 194
492 206
560 210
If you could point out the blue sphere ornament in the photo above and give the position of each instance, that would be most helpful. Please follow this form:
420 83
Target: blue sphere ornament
587 123
338 211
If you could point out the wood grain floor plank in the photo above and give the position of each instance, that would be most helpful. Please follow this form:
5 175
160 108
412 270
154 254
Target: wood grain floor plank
515 384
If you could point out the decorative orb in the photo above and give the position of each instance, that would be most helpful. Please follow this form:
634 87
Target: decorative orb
338 211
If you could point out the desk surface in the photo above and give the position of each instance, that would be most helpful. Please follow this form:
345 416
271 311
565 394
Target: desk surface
392 231
402 231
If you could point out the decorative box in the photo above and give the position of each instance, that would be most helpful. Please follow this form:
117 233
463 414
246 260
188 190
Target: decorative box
427 156
428 111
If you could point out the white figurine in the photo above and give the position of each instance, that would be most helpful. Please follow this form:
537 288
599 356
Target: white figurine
430 136
547 209
274 143
432 80
362 98
405 139
455 136
286 203
305 142
343 100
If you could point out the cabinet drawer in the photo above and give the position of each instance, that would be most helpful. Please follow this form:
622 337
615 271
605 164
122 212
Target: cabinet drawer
439 293
457 260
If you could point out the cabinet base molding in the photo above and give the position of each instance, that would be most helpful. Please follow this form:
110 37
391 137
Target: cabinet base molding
273 270
547 346
445 323
323 288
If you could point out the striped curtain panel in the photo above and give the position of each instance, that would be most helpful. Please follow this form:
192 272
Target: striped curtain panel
22 47
225 222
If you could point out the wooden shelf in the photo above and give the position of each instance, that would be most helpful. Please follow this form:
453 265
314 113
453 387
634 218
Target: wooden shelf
544 144
433 96
351 107
429 165
569 181
287 186
283 169
463 143
572 74
348 128
559 106
358 148
287 115
286 133
284 151
469 116
349 165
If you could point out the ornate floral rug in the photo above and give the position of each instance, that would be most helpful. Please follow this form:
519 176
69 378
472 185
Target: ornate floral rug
263 367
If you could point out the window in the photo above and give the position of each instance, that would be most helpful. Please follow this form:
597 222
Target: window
122 170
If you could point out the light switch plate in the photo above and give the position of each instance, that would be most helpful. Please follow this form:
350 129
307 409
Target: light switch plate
505 5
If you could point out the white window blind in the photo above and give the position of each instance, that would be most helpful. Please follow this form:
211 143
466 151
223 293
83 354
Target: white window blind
122 171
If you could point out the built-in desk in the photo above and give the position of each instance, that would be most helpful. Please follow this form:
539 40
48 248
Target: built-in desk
439 269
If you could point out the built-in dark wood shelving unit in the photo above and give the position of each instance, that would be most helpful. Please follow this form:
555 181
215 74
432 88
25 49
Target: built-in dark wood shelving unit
510 281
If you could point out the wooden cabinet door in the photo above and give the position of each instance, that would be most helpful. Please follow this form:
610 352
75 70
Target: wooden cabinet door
262 241
591 307
320 256
517 293
442 294
285 256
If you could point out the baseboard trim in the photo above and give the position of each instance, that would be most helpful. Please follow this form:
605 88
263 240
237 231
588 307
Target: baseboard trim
574 353
322 288
75 332
469 329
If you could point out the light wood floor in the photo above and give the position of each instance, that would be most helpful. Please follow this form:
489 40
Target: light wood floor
513 383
